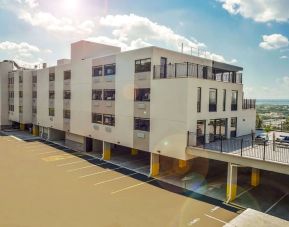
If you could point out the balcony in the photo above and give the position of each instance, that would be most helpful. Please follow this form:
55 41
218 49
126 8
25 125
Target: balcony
249 104
191 70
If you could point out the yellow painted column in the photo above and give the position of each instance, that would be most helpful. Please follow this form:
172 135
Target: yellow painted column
22 126
255 177
182 164
134 151
155 165
232 182
106 152
35 130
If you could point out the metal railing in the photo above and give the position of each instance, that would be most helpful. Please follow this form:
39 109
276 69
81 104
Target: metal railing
245 146
249 104
183 70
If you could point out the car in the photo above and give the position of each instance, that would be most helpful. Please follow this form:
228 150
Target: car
262 138
283 139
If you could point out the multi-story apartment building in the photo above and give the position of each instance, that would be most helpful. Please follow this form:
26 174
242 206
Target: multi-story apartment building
146 99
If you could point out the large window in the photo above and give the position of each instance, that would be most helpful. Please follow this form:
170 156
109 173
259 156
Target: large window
108 120
51 76
109 70
199 99
97 71
34 110
96 118
66 114
66 94
11 108
20 109
20 94
213 100
34 94
143 65
233 127
234 104
51 94
224 99
96 94
108 94
51 112
142 94
67 75
20 79
34 79
142 124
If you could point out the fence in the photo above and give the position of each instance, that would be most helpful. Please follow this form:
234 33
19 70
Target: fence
183 70
245 146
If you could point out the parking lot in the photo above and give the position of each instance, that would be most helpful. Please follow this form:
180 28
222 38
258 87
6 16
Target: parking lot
43 184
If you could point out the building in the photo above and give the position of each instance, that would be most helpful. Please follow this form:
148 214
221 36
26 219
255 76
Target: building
146 100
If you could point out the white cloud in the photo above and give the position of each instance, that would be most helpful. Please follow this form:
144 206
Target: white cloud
274 41
284 57
259 10
22 48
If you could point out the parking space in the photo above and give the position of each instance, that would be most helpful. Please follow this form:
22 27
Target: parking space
74 189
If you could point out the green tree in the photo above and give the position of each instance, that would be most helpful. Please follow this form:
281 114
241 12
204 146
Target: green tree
259 121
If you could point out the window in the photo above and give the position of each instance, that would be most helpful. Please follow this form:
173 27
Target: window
109 70
234 104
96 118
34 79
108 120
213 100
224 99
51 112
233 127
96 94
67 75
51 94
34 110
20 109
20 94
142 124
66 94
205 72
97 71
199 99
11 94
108 94
34 94
51 76
143 65
66 114
20 79
142 94
11 108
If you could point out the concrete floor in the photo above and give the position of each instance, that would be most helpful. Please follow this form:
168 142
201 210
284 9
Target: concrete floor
42 185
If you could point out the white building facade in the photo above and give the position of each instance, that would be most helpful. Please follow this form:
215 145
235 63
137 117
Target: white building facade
149 99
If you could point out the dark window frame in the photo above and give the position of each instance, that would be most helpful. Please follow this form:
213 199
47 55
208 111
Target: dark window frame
67 94
142 94
97 69
234 100
51 77
67 75
109 66
143 65
199 99
109 116
95 120
95 96
66 114
213 106
142 124
105 95
51 112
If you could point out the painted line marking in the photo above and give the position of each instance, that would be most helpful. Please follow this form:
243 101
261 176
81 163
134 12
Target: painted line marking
270 208
96 173
48 152
71 163
194 221
217 219
59 157
85 167
215 208
137 185
242 193
114 179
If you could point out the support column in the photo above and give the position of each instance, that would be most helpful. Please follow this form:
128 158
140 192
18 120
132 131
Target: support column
182 164
232 182
255 177
134 152
22 126
155 165
106 151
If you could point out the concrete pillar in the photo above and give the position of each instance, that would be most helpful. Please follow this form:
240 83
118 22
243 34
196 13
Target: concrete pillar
35 130
255 177
155 165
106 152
232 182
228 128
22 126
134 152
182 164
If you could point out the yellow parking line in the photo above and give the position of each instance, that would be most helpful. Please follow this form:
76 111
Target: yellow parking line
72 163
85 167
96 173
48 152
217 219
114 179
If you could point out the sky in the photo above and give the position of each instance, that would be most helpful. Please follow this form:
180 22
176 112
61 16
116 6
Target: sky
249 33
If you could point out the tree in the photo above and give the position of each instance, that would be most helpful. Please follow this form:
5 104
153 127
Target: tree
259 121
285 125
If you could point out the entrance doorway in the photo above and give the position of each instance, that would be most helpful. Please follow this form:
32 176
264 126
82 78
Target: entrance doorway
88 144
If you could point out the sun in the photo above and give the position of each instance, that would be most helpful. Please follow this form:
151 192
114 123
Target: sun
70 5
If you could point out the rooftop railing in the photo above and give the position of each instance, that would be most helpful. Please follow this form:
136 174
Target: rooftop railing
249 104
184 70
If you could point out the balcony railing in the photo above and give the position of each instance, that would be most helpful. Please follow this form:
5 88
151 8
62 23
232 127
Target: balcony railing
249 104
184 70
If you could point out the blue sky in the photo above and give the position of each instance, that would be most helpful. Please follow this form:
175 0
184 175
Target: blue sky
251 33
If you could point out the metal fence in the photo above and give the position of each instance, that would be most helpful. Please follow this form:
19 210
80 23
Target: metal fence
245 146
183 70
